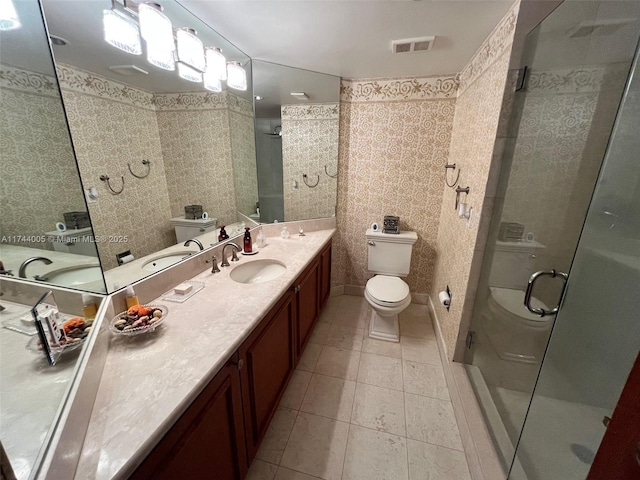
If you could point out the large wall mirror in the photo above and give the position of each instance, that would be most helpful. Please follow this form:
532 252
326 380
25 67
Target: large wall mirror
40 186
149 142
296 142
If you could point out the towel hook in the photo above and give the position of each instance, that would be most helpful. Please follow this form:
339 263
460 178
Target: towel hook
329 175
304 177
446 171
146 163
105 178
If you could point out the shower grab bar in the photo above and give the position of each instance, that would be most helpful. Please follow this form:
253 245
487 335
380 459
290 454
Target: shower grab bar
529 293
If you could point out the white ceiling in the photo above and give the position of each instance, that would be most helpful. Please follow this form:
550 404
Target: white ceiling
352 38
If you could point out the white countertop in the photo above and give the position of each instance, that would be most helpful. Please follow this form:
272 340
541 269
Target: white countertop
150 380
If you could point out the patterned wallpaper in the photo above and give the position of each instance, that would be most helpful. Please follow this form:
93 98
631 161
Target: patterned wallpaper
113 125
39 177
243 152
309 144
393 147
475 125
187 138
566 121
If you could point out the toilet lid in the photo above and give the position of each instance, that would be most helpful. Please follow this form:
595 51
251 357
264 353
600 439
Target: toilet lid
513 301
387 289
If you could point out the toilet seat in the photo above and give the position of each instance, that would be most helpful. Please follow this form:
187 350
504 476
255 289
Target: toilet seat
512 301
387 291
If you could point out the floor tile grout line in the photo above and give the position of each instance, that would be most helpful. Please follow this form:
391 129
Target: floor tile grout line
346 447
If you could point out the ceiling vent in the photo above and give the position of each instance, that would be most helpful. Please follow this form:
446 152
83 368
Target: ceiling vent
407 45
597 27
128 70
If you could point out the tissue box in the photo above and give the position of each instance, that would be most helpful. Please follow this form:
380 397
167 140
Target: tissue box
391 224
76 219
193 212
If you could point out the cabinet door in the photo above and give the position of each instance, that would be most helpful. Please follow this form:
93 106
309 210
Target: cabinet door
268 357
307 304
325 275
207 441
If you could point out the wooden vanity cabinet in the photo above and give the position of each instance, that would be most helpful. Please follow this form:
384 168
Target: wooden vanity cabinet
325 275
219 434
307 290
268 360
208 440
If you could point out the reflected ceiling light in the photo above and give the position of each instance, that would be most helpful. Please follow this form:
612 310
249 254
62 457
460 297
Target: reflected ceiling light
258 97
212 84
190 49
155 26
216 63
121 32
188 73
8 16
236 76
160 57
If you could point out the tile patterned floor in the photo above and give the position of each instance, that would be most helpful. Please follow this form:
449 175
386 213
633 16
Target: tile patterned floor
363 409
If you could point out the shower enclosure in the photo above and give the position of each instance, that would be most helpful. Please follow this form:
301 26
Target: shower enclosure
568 209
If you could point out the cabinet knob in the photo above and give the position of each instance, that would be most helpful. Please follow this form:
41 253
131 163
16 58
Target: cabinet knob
238 363
296 289
371 243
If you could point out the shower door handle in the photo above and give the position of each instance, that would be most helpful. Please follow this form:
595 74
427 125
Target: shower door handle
529 293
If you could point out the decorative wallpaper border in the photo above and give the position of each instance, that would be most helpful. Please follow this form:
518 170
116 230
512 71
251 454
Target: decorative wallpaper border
493 47
576 80
312 111
27 81
394 89
190 101
77 80
239 105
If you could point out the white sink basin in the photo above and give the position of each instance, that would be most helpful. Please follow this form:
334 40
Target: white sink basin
165 261
257 271
74 276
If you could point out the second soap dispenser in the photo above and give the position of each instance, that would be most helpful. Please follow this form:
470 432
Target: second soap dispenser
247 240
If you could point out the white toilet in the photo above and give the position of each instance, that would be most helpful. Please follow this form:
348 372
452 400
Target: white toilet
515 333
386 292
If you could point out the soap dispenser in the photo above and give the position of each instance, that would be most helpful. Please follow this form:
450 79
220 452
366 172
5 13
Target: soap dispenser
223 234
247 240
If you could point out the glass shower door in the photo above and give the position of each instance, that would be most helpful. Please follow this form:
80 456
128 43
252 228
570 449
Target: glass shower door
596 337
578 62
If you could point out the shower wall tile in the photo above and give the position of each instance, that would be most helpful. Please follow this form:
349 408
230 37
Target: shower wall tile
475 127
37 167
309 146
394 143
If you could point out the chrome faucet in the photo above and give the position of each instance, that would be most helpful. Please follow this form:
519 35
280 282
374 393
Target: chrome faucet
193 240
234 257
22 273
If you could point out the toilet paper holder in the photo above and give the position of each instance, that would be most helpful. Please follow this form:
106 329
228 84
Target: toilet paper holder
460 190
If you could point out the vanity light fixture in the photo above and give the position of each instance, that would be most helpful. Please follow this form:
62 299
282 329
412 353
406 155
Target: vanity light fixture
156 29
121 32
216 63
188 73
212 84
190 49
9 19
236 76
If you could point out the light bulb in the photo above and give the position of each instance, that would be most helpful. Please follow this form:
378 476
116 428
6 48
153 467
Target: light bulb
8 16
121 32
236 76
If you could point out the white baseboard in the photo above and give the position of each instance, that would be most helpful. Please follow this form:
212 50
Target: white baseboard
481 456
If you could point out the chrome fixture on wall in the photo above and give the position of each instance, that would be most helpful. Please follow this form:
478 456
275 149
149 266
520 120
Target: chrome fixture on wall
446 173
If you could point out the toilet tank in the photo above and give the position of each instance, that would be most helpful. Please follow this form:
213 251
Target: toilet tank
513 264
390 254
186 228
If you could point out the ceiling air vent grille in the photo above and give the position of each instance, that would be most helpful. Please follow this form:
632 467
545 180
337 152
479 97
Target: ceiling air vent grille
407 45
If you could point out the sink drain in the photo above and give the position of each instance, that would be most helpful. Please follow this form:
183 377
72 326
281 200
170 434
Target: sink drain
584 454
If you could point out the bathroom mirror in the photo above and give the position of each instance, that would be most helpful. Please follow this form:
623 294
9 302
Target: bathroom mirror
149 142
297 120
40 184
